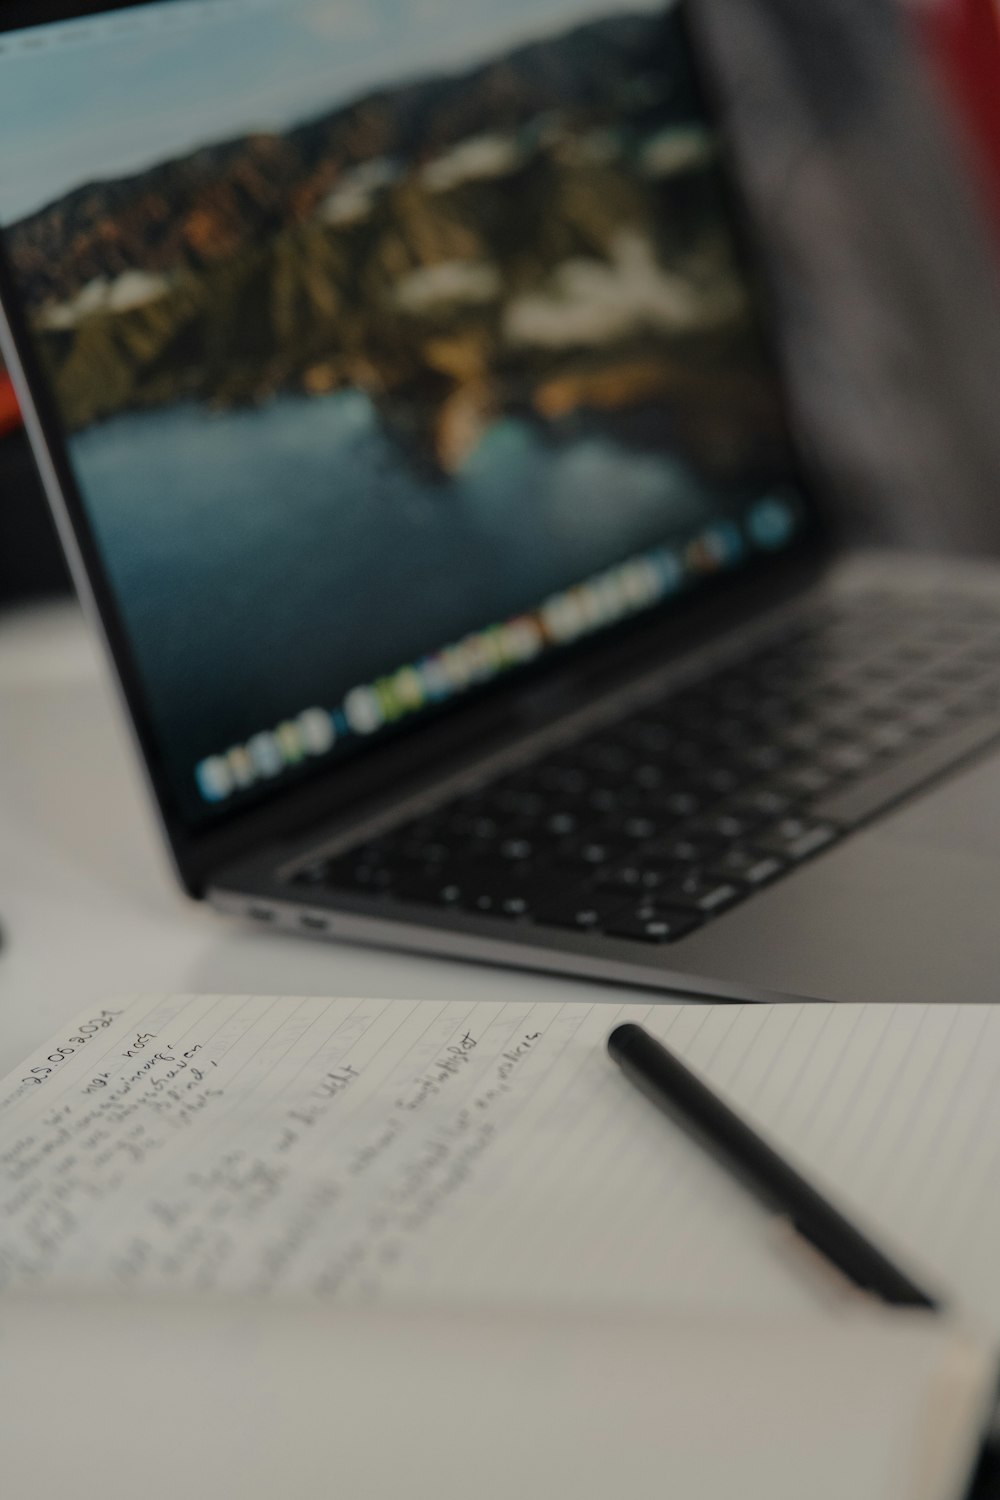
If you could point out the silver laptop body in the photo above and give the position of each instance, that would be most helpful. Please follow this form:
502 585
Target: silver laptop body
406 400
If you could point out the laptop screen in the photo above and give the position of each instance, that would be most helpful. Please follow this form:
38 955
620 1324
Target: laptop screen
397 344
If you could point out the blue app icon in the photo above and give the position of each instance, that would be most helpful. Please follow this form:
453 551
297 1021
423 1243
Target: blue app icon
215 779
771 523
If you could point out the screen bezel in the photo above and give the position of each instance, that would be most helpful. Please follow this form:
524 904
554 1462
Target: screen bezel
335 787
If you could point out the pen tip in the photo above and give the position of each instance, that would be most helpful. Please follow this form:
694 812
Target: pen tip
621 1036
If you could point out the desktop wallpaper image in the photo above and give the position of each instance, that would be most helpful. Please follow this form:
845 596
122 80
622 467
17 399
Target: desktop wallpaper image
373 325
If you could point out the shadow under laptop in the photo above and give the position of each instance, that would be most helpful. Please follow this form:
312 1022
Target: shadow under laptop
247 961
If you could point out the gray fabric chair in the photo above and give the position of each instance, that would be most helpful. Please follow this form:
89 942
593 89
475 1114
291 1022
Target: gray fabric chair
888 281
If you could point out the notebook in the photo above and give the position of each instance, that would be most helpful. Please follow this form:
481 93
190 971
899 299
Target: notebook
480 1166
367 1150
107 1399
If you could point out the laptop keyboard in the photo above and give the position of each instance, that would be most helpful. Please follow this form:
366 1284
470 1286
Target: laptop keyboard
651 826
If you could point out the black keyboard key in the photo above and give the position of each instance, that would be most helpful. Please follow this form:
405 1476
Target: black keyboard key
560 781
772 714
917 690
636 827
602 797
733 731
845 759
761 759
793 839
435 890
735 695
803 736
748 866
589 912
683 715
648 778
661 926
763 804
684 849
607 757
519 802
805 781
590 854
889 738
927 718
478 826
726 825
499 903
646 736
353 874
900 777
566 823
718 780
637 877
702 893
965 671
678 803
516 850
494 891
433 851
687 754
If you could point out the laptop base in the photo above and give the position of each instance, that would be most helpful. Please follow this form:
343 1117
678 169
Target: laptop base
897 906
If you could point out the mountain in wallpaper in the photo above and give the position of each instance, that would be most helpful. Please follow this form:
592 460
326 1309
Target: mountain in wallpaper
539 236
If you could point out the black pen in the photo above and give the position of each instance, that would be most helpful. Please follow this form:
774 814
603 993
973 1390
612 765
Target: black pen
701 1113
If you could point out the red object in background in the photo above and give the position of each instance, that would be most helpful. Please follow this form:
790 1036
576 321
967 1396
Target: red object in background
10 416
964 38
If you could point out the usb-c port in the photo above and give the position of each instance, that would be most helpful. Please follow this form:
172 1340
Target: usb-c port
262 914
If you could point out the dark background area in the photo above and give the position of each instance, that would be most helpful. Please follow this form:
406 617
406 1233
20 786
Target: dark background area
31 562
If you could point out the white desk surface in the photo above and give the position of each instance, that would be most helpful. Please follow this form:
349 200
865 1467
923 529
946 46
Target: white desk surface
88 904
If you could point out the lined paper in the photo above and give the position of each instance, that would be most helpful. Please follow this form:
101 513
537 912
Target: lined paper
360 1150
364 1151
896 1112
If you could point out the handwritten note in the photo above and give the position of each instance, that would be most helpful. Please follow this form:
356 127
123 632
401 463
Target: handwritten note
360 1150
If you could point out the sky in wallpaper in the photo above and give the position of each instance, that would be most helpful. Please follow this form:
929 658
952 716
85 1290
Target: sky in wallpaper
104 98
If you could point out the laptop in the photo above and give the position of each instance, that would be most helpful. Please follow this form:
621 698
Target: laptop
406 394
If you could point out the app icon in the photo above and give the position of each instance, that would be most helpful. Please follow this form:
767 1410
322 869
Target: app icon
563 619
266 755
495 648
363 711
642 584
700 558
671 570
590 604
215 779
725 543
459 665
289 737
389 705
771 522
242 767
480 652
317 731
409 689
434 676
609 597
522 639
